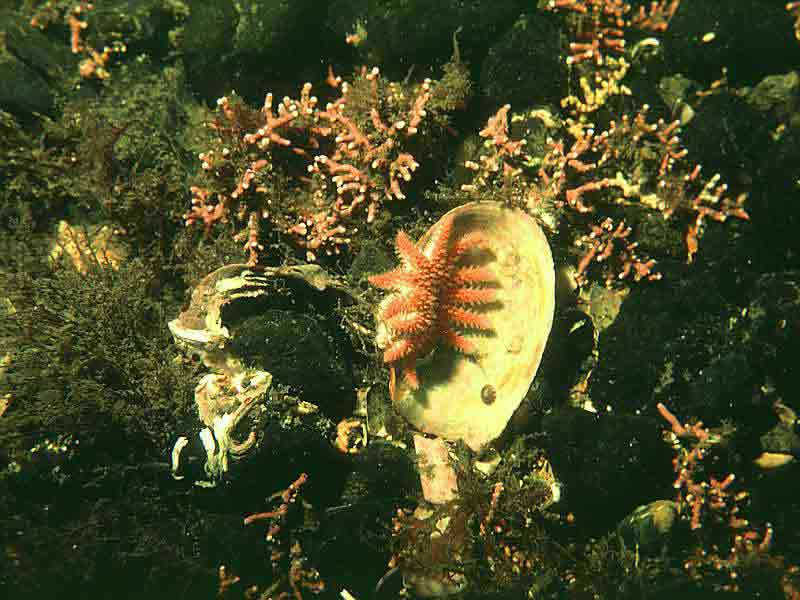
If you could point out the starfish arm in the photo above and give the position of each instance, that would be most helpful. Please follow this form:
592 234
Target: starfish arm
466 295
408 323
409 253
395 306
467 318
391 279
438 247
473 274
415 300
398 350
458 341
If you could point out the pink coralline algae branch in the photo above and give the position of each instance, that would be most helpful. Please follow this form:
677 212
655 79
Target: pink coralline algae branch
314 172
585 177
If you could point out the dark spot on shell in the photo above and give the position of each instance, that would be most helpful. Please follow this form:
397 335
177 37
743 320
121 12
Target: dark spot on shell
488 394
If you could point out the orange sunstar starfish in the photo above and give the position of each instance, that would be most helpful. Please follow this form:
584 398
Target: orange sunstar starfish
432 297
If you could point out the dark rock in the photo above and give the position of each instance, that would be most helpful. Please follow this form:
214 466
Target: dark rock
750 39
418 32
608 463
525 67
297 350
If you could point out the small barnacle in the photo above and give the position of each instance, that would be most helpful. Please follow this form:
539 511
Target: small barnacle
488 394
